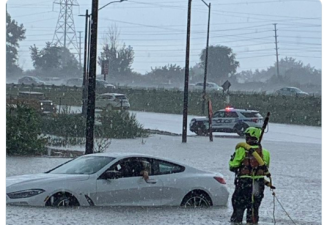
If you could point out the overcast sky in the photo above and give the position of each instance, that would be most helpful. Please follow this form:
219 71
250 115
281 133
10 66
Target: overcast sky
157 29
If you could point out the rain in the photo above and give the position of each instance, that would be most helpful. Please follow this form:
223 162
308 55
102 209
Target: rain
134 111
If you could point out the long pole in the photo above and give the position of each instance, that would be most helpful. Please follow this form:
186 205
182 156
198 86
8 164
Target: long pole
206 57
91 81
85 74
186 79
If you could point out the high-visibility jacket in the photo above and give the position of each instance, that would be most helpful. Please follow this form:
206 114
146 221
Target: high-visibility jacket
239 159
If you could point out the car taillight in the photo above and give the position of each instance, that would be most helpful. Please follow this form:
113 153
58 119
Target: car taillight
255 120
220 180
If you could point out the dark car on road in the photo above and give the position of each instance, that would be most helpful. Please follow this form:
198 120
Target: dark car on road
36 100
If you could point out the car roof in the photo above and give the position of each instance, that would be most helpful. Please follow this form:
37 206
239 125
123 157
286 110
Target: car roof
237 110
115 94
75 78
31 92
121 155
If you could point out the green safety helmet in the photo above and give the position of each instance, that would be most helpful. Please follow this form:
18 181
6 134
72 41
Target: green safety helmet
253 132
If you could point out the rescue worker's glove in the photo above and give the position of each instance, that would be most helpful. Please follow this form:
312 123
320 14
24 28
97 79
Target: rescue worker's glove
265 168
267 183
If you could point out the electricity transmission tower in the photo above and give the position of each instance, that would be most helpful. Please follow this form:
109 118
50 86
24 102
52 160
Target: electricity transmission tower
65 33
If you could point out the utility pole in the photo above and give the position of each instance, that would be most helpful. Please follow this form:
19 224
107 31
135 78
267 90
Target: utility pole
277 67
186 78
85 70
79 50
206 56
91 81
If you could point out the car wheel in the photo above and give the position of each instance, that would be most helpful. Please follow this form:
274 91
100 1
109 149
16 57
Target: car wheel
108 108
240 128
202 131
196 199
62 200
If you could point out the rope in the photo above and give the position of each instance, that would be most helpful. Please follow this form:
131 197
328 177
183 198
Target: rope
282 208
273 193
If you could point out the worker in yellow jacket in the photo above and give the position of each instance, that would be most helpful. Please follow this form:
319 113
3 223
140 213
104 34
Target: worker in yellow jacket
249 177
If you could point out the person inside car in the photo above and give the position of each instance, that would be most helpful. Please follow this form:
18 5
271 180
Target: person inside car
138 168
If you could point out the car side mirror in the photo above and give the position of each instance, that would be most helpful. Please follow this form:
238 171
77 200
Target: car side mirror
111 174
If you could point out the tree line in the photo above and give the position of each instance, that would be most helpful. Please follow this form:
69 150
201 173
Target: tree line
55 61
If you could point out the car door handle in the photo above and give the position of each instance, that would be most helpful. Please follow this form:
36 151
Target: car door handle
150 181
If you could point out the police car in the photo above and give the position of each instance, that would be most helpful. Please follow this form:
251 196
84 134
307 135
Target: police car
228 120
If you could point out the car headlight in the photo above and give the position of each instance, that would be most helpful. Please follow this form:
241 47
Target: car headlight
41 103
25 193
51 103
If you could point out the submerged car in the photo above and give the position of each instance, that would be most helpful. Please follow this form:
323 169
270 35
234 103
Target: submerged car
228 120
114 179
112 101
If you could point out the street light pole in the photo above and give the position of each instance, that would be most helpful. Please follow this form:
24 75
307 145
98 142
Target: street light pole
92 58
206 56
186 78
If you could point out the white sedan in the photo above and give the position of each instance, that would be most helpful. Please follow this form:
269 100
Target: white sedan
115 179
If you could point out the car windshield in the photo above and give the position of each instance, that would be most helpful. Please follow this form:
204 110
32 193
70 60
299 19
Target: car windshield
82 165
120 97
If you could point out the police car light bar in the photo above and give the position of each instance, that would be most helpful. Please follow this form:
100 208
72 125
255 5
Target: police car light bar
228 108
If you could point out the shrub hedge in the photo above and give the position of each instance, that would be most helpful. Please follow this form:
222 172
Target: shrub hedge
283 109
23 131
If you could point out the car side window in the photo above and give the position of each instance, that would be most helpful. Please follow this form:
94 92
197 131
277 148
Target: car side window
160 167
219 114
231 114
131 167
216 115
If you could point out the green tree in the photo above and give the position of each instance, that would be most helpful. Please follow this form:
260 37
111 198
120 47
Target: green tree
120 58
171 73
14 34
221 63
54 61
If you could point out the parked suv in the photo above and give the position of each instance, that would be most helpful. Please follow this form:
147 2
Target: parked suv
36 100
228 120
112 101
